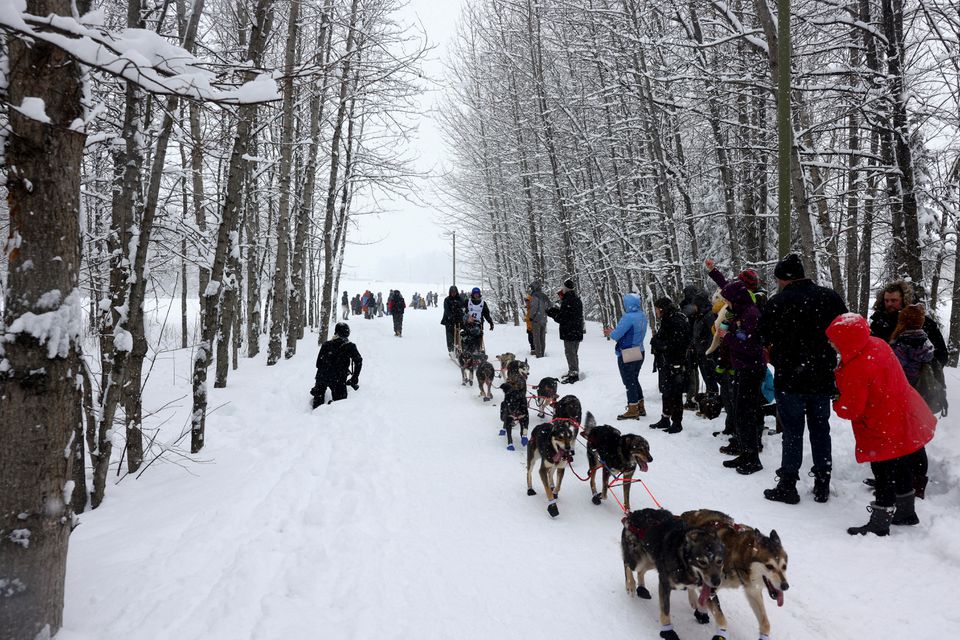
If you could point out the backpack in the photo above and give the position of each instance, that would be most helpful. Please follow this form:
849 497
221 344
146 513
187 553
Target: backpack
932 388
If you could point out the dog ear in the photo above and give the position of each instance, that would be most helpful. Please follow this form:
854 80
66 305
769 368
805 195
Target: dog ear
774 537
590 422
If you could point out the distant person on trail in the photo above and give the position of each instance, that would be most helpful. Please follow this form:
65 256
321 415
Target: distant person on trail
629 334
379 304
539 305
526 320
669 346
569 315
452 317
345 306
397 305
333 366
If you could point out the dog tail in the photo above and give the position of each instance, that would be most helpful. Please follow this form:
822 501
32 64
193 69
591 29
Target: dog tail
589 424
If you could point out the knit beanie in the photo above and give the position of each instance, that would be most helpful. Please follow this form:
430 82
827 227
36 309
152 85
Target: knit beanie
567 285
790 268
751 278
911 318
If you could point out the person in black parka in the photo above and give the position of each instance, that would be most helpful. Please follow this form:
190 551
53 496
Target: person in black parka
669 346
397 306
333 366
452 317
569 315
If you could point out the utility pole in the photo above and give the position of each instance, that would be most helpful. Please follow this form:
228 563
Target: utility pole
784 126
454 258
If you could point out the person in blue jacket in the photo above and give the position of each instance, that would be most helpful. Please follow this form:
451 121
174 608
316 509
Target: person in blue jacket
629 334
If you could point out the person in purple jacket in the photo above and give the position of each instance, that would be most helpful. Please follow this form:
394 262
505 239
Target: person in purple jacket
742 340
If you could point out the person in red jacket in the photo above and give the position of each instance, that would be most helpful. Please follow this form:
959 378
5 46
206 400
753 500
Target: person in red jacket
891 422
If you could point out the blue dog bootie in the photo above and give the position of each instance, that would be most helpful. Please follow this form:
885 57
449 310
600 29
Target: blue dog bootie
503 432
510 447
524 440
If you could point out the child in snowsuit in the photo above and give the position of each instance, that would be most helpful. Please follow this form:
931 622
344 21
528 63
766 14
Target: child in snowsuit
891 422
910 342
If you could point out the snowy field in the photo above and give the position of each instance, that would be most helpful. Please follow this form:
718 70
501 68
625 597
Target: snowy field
399 514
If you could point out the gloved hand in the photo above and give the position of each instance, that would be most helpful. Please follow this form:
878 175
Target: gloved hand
354 382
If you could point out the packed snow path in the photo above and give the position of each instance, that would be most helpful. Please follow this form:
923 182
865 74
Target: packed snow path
399 514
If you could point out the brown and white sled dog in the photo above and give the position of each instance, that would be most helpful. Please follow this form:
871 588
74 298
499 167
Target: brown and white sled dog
616 453
485 374
505 360
552 443
517 373
684 557
752 560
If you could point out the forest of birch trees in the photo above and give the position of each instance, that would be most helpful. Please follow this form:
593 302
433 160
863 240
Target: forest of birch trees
622 142
208 151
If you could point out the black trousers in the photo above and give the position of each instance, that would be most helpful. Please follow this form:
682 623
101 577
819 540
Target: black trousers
747 412
337 390
896 477
452 330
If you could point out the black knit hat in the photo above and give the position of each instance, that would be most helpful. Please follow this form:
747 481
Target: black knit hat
790 268
568 285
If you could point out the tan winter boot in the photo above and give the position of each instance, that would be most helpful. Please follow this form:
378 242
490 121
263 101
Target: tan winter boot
632 412
641 410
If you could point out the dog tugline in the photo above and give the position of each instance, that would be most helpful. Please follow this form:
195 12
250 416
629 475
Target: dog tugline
333 366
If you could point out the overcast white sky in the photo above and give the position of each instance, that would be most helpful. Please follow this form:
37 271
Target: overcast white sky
409 243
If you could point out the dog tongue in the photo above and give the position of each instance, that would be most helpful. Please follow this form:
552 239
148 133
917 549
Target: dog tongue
643 466
705 595
779 598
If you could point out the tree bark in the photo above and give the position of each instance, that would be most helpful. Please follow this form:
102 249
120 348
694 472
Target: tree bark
41 397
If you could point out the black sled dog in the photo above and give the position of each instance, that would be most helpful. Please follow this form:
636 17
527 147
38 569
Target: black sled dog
514 411
617 454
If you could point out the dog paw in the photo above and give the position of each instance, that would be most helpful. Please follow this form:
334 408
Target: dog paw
596 498
531 492
669 635
643 593
523 441
503 432
553 510
510 447
702 616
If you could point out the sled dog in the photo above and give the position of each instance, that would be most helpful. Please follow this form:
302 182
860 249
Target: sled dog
751 560
546 395
514 410
485 374
616 453
552 443
684 557
505 360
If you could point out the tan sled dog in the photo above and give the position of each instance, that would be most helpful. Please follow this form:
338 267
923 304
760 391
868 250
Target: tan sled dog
752 561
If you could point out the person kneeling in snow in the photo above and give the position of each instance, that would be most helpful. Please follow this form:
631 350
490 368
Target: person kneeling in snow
333 366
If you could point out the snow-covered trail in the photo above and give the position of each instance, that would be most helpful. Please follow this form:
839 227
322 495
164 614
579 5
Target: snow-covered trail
399 514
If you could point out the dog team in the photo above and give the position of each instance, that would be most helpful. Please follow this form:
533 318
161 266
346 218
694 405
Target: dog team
698 551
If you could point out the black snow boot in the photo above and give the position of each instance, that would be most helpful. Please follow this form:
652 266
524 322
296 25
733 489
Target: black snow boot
786 489
905 513
675 427
821 485
663 423
879 524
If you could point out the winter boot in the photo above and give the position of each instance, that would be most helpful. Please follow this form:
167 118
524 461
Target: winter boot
570 378
919 483
632 413
731 449
642 410
675 426
786 489
821 485
879 524
750 465
906 513
733 463
663 423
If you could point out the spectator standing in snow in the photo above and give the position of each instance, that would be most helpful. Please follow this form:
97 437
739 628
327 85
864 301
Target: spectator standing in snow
910 342
629 334
333 366
890 301
452 317
701 326
345 305
526 320
891 422
397 306
669 346
793 326
742 340
689 309
539 305
379 304
569 315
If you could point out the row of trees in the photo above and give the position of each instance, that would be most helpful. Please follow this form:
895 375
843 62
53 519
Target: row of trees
624 141
212 150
